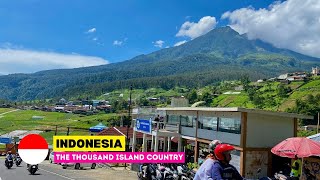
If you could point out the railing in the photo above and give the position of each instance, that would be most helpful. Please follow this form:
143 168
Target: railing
156 126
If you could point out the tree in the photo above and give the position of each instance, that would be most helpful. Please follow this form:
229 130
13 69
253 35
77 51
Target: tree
245 81
207 97
192 96
282 91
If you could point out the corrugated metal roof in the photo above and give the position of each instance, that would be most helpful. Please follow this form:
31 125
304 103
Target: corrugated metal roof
315 137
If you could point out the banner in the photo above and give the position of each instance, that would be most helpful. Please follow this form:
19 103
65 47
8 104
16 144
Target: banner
119 157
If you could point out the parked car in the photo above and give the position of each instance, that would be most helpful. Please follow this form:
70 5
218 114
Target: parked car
79 165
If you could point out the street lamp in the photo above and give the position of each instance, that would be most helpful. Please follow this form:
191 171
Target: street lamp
129 120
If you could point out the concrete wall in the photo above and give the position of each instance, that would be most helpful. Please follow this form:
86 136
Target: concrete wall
266 131
254 161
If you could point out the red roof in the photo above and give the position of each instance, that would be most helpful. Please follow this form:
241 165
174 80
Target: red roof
120 131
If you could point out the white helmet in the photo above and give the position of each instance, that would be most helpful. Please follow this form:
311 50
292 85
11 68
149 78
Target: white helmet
213 145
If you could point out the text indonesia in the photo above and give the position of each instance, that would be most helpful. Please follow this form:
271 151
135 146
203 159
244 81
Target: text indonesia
119 157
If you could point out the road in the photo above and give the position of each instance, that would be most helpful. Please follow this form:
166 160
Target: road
49 171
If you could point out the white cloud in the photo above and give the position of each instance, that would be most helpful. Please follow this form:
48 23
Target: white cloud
158 43
95 39
92 30
193 30
292 24
117 43
180 43
29 61
120 42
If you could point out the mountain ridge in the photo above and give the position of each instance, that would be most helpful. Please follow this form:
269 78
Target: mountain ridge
221 54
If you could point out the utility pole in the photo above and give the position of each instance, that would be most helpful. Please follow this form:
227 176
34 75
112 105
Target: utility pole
55 133
128 122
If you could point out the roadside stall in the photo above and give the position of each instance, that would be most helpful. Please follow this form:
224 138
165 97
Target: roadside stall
300 147
311 165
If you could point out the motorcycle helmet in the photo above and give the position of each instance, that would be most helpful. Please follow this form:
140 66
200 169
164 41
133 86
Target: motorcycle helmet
213 145
221 149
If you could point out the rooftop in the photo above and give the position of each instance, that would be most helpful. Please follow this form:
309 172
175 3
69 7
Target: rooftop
237 109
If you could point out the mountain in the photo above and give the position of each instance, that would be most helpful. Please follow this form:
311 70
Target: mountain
221 54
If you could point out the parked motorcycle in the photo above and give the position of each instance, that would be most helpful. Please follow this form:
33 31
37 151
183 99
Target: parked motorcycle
147 172
165 172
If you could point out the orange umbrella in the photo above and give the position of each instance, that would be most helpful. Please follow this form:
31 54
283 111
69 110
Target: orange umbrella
300 146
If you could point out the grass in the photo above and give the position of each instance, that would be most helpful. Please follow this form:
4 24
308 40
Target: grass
2 146
49 135
22 120
300 90
3 110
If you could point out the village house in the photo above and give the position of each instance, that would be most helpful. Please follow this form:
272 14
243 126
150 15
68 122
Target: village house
315 71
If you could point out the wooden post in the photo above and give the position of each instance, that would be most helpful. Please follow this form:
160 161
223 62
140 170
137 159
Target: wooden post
68 131
196 148
318 122
243 143
295 127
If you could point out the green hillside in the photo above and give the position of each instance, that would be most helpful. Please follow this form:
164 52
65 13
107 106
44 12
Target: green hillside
79 124
221 54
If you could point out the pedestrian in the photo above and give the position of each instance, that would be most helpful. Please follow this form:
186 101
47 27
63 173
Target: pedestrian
205 171
157 119
296 168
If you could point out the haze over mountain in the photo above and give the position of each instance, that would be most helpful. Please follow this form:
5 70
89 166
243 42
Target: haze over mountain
221 54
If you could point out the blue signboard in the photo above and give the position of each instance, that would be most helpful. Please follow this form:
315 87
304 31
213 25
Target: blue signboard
5 140
143 125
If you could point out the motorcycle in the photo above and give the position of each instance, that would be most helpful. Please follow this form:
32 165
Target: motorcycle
9 163
32 168
18 161
147 172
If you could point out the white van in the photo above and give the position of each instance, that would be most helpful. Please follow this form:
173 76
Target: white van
79 165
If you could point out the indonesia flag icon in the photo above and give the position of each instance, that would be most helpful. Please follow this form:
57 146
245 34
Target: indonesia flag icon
33 149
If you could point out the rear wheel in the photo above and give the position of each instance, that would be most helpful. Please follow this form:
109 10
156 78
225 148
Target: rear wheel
93 166
77 166
64 167
33 171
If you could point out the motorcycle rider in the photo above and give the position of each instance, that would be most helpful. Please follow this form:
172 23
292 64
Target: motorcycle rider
9 156
222 170
205 171
16 156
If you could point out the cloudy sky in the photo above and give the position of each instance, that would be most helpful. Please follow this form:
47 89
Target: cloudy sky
39 35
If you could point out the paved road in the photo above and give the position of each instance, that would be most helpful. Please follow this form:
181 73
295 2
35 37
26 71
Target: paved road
17 173
49 171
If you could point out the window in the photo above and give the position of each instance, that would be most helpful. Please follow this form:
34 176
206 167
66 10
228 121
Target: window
209 123
188 121
173 119
230 125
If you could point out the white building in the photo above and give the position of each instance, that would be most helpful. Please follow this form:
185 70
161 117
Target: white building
253 132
